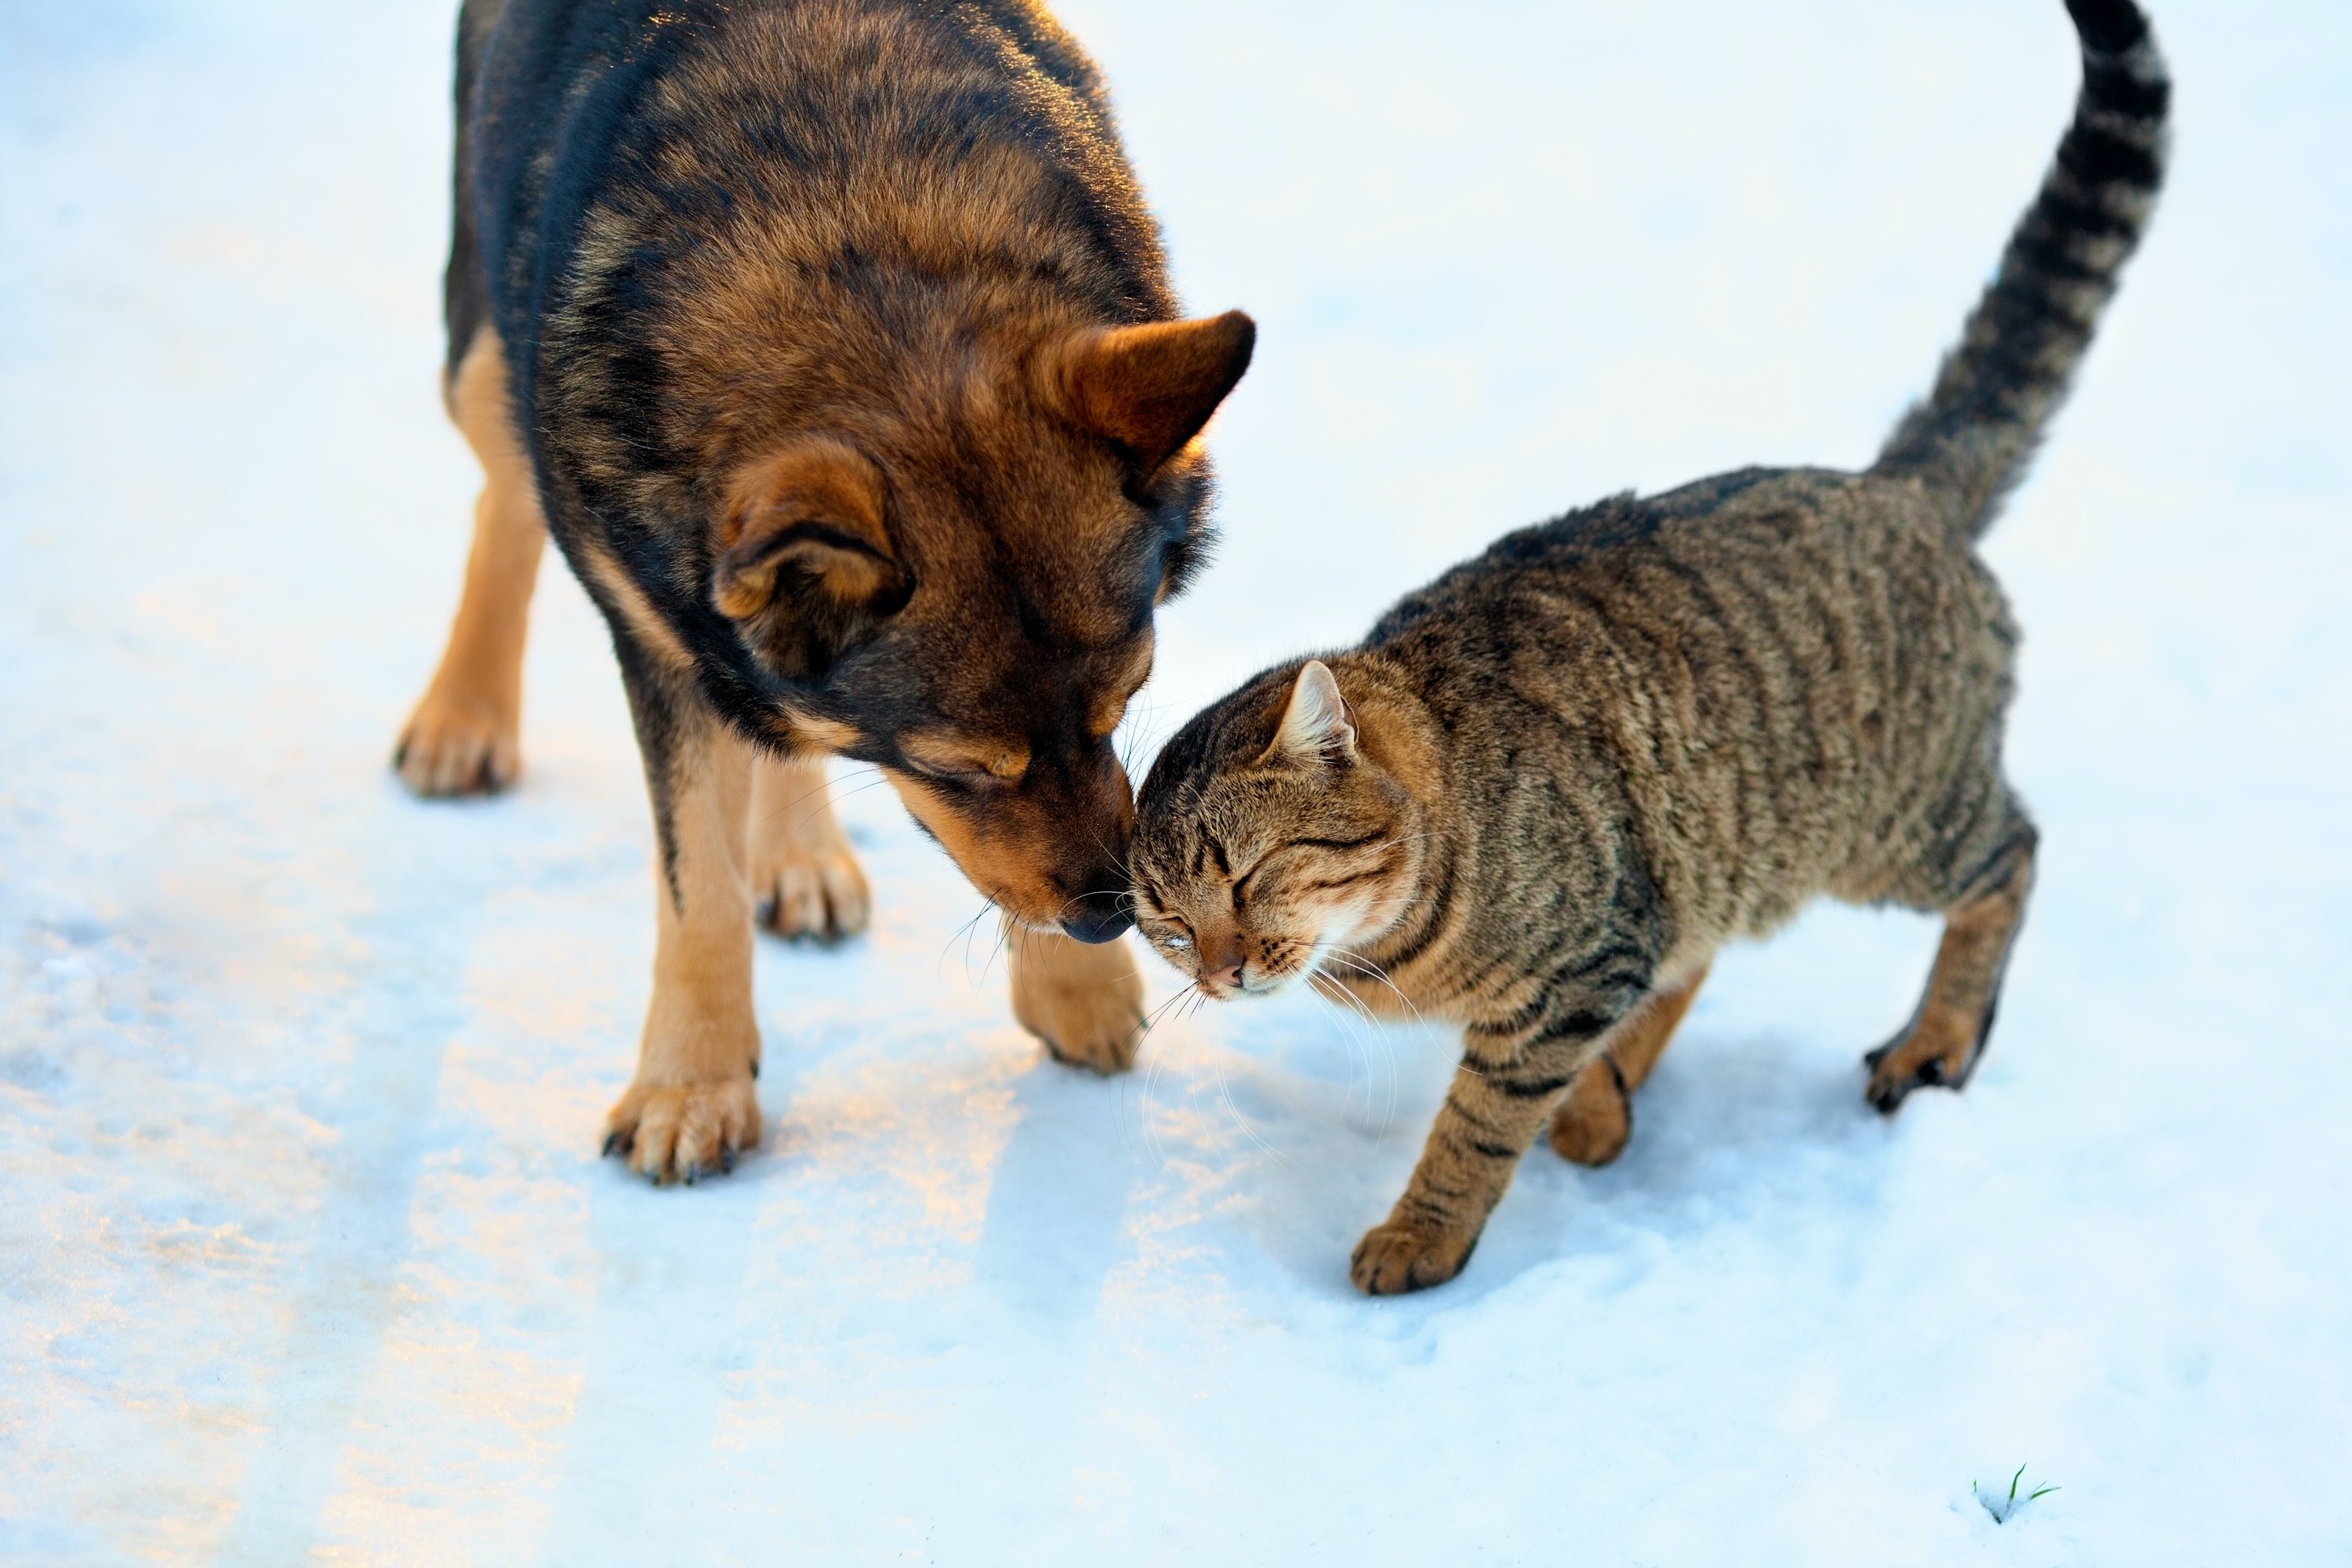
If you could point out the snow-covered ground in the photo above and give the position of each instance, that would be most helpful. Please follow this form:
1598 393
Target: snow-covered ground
305 1252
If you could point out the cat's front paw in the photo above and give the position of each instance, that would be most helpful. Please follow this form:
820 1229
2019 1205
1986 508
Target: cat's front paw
1086 1003
679 1132
1397 1258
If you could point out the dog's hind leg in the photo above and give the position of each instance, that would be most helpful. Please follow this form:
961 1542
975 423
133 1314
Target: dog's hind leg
803 875
463 736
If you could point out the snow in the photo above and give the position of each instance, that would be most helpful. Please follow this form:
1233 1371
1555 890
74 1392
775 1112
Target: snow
305 1252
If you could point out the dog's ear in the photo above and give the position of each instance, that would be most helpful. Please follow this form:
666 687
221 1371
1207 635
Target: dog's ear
805 564
1151 388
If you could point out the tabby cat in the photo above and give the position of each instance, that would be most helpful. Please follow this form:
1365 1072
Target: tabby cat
1549 787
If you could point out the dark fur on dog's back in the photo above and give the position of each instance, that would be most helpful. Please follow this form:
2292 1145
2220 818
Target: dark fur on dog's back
575 147
705 229
837 348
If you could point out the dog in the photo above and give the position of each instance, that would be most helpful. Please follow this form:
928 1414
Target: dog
833 344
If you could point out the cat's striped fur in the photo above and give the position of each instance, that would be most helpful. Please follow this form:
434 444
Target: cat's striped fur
1548 787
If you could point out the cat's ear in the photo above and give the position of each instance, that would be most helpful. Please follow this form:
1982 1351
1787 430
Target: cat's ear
1149 388
1317 727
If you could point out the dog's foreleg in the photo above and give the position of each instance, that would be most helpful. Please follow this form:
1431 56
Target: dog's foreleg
691 1109
1085 1002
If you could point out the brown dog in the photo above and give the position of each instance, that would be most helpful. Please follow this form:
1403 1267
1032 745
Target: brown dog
831 341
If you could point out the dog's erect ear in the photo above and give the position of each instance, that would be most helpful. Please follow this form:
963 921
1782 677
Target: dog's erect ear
1317 727
801 534
1151 388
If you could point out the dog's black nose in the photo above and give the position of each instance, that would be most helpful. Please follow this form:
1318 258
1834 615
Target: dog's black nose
1099 917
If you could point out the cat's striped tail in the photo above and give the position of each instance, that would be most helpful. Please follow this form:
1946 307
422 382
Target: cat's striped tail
1972 438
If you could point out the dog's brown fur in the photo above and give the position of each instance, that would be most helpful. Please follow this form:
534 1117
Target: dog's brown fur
806 877
466 734
833 343
1549 786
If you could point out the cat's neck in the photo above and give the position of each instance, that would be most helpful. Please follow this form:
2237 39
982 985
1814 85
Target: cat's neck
1394 727
1397 733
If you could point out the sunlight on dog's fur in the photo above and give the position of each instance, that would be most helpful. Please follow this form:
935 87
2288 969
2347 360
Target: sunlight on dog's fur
860 401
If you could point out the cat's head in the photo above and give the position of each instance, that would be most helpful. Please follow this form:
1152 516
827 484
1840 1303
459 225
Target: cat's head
1268 835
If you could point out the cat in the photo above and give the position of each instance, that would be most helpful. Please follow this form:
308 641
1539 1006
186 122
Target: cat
1545 790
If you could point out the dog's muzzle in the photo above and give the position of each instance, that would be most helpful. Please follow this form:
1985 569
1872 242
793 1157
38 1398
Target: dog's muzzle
1099 918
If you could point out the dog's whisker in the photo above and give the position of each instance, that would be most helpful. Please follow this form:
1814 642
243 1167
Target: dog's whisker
832 801
966 931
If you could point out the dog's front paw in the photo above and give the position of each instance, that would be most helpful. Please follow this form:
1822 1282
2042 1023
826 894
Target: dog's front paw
1086 1003
812 893
456 744
1395 1257
679 1132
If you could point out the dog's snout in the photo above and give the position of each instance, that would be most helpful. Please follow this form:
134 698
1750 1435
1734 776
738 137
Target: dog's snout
1098 917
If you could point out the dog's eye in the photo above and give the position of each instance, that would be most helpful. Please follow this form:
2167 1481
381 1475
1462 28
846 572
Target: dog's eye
963 767
962 778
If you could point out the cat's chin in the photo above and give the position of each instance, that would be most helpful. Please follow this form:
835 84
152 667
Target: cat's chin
1265 987
1249 990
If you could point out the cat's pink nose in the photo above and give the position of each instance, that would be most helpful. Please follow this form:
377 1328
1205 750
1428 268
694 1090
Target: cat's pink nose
1222 960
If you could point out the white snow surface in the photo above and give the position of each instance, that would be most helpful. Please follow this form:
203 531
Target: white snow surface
306 1253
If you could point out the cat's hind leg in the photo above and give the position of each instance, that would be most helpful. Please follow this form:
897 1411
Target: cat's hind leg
1594 1122
1945 1038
